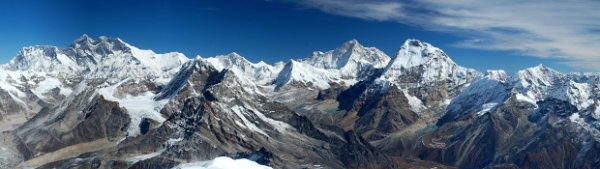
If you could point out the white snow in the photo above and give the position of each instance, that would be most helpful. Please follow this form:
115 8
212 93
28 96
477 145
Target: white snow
345 65
173 141
12 89
48 84
480 97
278 125
487 108
159 63
538 76
412 55
65 60
523 98
259 73
351 58
223 163
438 66
138 107
135 159
576 118
115 59
596 113
579 95
415 103
239 111
499 75
304 73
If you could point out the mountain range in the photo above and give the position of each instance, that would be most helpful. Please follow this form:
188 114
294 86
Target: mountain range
103 103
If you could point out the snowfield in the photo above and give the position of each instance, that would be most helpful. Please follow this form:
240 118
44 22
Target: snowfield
223 163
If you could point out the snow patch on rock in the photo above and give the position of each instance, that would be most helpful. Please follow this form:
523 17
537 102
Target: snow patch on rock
138 107
223 163
487 108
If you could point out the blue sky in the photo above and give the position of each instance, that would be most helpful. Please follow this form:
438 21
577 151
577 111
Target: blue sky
475 34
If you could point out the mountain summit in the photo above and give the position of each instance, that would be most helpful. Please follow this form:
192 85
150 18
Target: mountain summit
101 58
103 103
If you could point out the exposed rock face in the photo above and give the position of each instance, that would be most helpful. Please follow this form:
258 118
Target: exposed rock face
102 103
100 119
505 129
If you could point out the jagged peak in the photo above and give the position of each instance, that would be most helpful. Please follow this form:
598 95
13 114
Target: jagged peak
290 66
28 49
350 52
101 58
429 63
102 45
234 57
540 69
291 63
346 47
231 60
351 44
415 53
538 75
415 43
255 73
84 39
499 75
418 44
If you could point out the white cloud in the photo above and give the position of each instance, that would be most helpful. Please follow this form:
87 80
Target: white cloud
370 10
542 28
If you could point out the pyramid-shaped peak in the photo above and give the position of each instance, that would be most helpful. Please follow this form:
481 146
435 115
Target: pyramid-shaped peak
102 45
420 59
234 55
349 46
541 69
352 42
415 53
414 42
539 75
84 40
350 53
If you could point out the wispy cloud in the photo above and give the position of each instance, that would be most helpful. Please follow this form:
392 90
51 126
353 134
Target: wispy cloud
544 28
370 10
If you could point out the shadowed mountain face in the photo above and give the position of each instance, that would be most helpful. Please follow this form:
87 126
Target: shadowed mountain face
102 103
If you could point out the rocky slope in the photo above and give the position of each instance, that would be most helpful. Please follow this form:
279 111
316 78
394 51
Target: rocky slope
103 103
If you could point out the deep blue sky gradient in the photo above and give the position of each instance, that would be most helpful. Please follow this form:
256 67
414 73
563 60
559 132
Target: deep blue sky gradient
258 30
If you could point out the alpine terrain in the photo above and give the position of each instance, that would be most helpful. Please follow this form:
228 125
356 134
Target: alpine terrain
103 103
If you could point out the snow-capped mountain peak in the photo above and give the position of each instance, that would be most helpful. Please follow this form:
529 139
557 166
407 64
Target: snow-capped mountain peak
415 53
350 45
259 73
103 46
499 75
345 65
227 61
84 40
538 76
349 55
425 63
41 59
101 58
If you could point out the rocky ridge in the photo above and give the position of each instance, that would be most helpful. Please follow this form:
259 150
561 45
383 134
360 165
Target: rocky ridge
351 107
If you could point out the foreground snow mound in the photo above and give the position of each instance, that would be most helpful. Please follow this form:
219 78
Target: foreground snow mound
223 163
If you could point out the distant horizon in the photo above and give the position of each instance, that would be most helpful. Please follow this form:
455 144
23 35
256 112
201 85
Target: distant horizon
280 30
